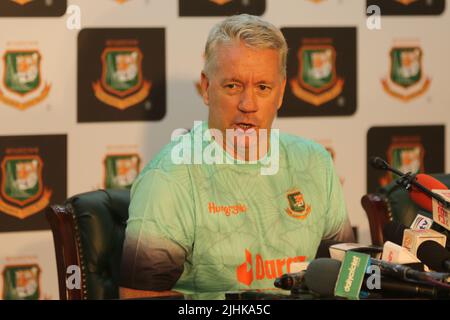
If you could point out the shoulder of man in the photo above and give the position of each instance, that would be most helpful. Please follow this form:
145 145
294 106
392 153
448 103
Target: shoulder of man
162 163
302 148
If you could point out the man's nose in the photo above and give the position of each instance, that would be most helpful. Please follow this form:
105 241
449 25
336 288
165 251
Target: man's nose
248 102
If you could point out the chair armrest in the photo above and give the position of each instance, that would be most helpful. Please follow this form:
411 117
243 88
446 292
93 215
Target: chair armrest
378 214
67 249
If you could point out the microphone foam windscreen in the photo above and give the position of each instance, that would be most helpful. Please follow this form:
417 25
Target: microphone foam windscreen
433 255
321 276
420 198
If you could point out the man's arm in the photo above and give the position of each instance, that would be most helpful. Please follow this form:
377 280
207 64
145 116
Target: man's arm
345 234
127 293
158 238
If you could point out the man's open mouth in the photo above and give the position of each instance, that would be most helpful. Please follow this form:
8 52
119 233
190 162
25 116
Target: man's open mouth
245 126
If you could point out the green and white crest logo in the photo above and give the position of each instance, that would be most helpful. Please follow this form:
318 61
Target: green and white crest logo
317 68
121 170
296 202
22 182
122 84
405 157
406 79
22 192
406 66
122 73
317 81
22 71
297 207
21 282
22 79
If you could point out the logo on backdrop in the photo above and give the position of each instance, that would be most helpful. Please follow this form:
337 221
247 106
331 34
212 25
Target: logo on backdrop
121 170
409 7
21 282
407 79
121 75
27 185
198 8
22 185
416 149
33 8
23 86
320 81
316 81
122 84
406 154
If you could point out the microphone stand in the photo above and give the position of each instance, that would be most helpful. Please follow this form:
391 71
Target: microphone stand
407 180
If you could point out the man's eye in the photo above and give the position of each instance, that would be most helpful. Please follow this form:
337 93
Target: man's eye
263 87
231 86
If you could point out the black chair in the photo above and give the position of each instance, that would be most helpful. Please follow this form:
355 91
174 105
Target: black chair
392 203
88 232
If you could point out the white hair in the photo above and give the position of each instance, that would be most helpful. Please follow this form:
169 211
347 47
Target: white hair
252 30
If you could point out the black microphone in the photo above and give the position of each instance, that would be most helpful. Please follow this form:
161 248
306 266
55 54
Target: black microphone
290 281
408 180
406 272
378 163
322 274
434 256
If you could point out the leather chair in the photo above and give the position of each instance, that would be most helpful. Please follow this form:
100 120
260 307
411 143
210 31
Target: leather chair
392 203
88 232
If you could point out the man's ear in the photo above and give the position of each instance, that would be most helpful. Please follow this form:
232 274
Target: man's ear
204 84
283 87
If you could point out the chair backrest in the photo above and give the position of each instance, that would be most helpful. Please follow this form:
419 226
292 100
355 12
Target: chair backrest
393 203
88 232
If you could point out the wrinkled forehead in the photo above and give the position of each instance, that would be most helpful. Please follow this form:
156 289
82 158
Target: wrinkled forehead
235 56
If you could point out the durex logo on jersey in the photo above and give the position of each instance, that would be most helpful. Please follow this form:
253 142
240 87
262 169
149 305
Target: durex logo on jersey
121 75
199 8
32 175
409 7
321 75
33 8
415 149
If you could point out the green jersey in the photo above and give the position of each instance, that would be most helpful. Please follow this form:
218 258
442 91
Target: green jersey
226 227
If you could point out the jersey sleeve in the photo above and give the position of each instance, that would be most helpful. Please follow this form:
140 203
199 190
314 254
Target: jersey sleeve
159 233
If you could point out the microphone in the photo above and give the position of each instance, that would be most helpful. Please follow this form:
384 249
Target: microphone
393 231
378 163
290 281
394 253
434 256
422 199
322 274
407 180
402 272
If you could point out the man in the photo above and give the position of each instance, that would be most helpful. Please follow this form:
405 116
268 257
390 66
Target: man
209 227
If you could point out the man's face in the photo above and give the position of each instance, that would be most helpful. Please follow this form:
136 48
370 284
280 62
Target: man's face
244 89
